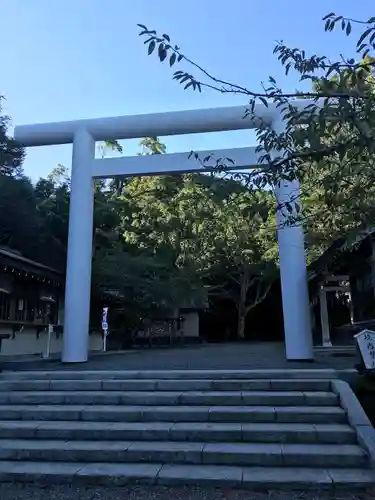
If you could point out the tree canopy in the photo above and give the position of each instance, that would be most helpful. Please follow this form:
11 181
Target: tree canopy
11 155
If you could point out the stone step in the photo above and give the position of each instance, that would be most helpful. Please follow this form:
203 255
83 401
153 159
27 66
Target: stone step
179 413
183 431
246 454
169 398
97 384
242 428
120 474
269 374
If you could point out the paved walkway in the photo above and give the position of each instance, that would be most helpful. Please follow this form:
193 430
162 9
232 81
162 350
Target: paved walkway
203 357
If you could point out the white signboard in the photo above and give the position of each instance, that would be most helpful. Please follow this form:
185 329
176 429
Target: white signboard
105 327
104 314
366 343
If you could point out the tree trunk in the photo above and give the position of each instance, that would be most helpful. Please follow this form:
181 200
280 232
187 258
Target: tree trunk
241 325
242 312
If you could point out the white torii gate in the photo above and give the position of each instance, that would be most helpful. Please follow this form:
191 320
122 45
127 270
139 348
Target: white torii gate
85 168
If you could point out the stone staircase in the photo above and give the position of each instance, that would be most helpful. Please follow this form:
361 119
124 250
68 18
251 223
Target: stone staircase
232 428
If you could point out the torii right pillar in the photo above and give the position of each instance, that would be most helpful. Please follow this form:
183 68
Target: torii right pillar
293 273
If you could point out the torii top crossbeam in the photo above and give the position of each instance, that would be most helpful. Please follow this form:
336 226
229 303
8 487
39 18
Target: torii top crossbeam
154 124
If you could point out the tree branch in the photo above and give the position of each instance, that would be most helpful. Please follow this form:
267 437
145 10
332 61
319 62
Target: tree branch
177 56
259 297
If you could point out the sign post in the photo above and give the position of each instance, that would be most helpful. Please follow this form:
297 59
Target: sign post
105 327
366 344
48 347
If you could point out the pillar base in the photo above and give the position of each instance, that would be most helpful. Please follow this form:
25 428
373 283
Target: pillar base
73 362
301 360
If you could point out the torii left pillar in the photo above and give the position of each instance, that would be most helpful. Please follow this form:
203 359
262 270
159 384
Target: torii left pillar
78 277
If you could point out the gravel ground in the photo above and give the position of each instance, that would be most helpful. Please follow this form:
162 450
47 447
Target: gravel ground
33 492
245 356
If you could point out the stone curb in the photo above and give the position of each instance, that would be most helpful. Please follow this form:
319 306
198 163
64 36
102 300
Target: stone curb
357 417
255 374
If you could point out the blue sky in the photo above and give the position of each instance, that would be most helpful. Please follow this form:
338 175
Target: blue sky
71 59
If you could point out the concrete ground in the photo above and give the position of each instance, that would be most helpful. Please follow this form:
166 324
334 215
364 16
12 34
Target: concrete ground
199 357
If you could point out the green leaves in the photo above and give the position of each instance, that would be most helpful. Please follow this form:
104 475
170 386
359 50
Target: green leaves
364 35
151 47
162 52
331 20
163 45
289 207
172 59
175 56
11 154
188 80
112 145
